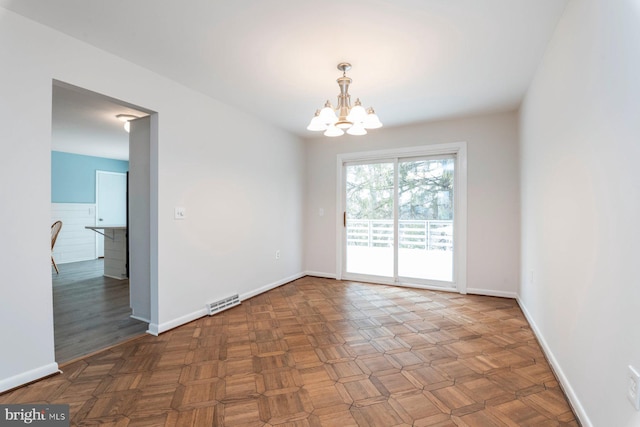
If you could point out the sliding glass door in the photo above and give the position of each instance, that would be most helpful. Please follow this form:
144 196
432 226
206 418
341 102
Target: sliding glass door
369 215
425 220
399 220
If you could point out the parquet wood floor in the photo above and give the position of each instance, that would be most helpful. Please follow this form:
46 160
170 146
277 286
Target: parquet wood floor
319 352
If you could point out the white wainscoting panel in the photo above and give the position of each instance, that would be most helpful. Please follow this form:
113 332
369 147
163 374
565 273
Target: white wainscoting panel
75 243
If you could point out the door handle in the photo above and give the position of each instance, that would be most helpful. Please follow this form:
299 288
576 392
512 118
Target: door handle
344 219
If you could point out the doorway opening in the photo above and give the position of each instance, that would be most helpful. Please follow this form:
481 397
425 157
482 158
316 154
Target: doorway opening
95 305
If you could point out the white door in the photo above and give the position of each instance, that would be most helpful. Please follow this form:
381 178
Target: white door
111 202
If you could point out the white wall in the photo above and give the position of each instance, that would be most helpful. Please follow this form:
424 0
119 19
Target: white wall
240 180
493 203
75 243
580 145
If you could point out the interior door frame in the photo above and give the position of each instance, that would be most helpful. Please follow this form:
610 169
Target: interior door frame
459 150
152 190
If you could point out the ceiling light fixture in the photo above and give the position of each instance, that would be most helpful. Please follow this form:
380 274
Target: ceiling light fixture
356 120
126 118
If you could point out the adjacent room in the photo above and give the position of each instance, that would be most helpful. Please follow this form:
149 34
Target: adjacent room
371 213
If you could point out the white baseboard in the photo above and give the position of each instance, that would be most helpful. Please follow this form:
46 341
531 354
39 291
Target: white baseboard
156 329
321 274
492 293
475 291
87 258
29 376
564 382
153 329
270 286
142 319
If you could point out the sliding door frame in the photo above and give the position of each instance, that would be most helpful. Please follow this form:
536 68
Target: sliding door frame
459 150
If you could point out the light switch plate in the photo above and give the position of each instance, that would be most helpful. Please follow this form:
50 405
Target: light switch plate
180 213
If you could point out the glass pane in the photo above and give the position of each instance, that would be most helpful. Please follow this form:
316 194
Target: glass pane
369 190
425 193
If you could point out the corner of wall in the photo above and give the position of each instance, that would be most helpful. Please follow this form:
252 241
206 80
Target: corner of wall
576 405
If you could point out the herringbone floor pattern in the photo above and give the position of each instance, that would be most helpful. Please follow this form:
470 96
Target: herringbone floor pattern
319 352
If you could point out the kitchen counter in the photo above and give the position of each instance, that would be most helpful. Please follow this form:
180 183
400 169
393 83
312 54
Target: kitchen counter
115 250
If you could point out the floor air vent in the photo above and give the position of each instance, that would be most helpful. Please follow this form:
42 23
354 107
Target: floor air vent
223 304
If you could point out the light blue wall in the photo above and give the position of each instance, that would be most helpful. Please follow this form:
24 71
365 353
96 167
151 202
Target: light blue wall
73 176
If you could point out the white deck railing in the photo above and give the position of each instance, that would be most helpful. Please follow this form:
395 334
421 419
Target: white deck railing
426 235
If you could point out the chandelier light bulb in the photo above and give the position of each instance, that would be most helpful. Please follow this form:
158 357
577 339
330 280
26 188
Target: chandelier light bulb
372 121
316 123
327 115
333 131
357 114
357 130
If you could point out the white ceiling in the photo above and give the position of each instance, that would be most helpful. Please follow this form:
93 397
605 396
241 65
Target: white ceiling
413 60
84 122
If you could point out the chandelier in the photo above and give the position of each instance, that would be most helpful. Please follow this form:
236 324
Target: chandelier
355 120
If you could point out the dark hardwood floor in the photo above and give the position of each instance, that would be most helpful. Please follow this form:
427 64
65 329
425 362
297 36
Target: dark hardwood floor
319 352
90 311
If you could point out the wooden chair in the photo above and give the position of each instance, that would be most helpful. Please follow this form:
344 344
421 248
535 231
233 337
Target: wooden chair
55 229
